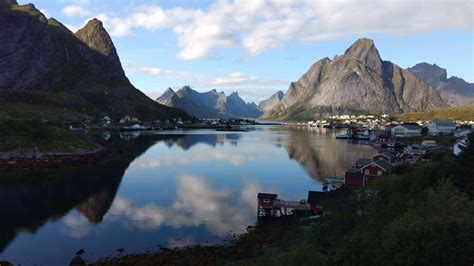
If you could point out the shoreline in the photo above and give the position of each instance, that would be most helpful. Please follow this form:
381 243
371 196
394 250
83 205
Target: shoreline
245 246
37 161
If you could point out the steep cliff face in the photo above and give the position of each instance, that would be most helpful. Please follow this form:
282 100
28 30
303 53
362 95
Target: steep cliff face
211 104
356 82
455 91
267 104
45 68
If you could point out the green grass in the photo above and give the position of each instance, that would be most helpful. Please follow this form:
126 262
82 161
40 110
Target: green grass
43 136
463 113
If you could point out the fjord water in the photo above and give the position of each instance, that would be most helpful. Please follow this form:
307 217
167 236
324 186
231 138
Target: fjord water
169 189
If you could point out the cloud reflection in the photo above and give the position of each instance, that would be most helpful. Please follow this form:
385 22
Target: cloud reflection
221 211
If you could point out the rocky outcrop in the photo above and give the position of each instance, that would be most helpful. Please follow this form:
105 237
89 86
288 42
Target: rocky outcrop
211 104
455 91
45 68
267 104
357 82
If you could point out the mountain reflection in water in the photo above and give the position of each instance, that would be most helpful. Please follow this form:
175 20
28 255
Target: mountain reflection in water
173 189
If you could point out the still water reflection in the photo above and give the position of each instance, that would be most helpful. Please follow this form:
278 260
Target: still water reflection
188 187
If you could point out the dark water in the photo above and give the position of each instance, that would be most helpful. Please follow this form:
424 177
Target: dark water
189 187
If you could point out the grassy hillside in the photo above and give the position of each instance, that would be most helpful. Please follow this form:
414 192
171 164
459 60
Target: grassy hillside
463 113
26 135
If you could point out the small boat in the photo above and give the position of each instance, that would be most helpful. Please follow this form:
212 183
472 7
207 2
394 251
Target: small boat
344 136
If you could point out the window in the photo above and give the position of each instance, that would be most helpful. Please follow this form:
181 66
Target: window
266 200
379 172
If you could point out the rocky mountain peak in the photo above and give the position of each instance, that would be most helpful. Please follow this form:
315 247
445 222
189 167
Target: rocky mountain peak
364 50
96 37
430 73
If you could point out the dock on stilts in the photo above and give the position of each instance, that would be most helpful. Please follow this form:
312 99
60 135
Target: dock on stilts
269 205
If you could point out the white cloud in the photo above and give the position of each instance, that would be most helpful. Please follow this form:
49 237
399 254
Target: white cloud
257 25
45 13
75 11
200 80
197 203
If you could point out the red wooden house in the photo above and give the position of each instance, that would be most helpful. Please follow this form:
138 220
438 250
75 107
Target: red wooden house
315 201
384 156
266 200
354 179
377 169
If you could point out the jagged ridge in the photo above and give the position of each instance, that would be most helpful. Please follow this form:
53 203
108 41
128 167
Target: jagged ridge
211 104
356 82
48 70
455 91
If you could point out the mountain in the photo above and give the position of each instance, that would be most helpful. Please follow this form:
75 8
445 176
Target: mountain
455 91
211 104
358 81
267 104
49 71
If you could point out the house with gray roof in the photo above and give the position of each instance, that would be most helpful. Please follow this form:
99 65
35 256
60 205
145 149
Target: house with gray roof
438 127
406 130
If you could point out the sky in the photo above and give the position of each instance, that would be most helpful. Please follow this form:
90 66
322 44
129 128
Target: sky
257 47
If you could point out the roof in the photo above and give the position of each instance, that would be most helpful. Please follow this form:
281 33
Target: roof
363 161
316 196
267 196
409 126
354 174
444 123
384 164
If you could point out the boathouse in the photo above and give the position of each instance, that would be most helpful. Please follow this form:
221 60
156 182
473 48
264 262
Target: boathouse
362 162
384 156
267 200
377 168
354 179
315 201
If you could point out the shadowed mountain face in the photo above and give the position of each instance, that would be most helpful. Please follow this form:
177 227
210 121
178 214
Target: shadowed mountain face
211 104
267 104
455 91
47 69
29 200
356 82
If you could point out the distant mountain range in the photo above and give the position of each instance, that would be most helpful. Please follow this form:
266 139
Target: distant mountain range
211 104
268 104
455 91
358 81
49 71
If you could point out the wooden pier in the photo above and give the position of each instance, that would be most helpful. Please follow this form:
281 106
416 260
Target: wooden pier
269 205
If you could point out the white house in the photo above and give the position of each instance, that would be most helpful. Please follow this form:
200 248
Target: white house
436 127
406 130
458 146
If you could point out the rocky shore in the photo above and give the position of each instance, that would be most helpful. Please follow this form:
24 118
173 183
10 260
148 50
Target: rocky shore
245 246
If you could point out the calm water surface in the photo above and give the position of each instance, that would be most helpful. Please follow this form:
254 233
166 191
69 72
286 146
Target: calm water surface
171 189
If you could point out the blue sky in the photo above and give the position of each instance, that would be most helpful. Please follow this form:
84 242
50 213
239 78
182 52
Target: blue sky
257 47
